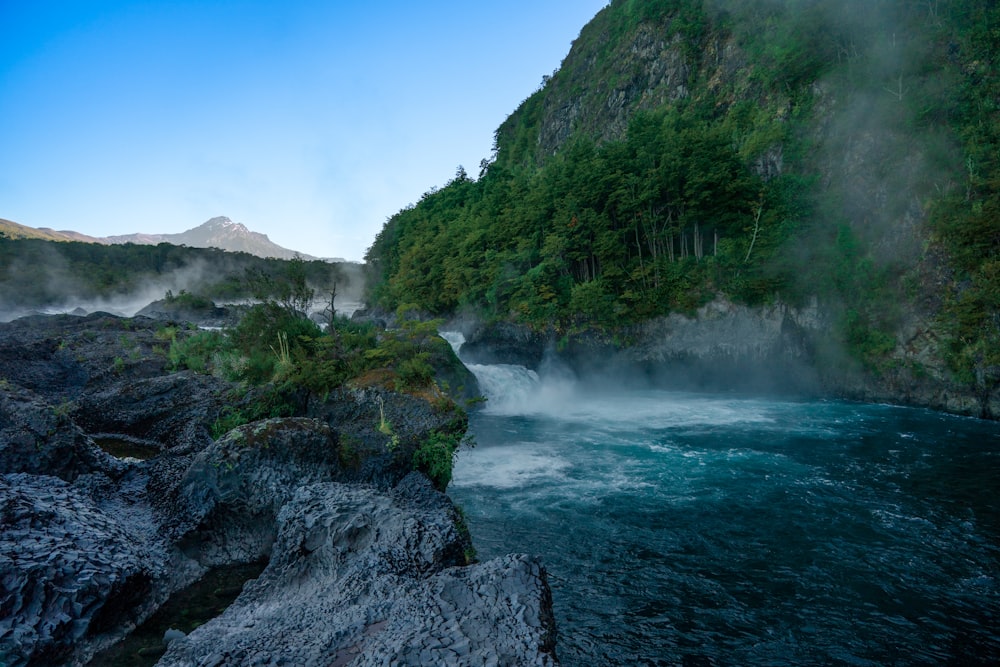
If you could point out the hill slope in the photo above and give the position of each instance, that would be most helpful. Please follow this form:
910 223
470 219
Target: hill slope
759 152
14 230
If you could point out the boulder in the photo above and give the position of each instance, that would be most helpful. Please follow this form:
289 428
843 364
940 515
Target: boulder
363 577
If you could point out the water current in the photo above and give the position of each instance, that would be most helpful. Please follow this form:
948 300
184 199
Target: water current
692 529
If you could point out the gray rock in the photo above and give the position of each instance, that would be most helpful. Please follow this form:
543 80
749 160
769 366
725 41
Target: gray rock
171 634
69 570
370 578
176 410
366 559
378 456
41 439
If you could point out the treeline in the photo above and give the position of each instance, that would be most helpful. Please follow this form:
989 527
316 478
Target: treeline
36 273
612 233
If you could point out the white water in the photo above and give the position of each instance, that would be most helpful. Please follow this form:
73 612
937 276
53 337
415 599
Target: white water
683 528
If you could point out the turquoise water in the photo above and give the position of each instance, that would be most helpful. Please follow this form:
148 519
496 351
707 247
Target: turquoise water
686 529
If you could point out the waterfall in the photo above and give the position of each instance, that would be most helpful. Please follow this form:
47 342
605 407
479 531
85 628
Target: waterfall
510 389
455 338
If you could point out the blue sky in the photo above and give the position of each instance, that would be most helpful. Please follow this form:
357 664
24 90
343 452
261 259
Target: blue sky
311 121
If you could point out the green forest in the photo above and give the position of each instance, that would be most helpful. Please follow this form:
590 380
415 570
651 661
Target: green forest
35 273
749 178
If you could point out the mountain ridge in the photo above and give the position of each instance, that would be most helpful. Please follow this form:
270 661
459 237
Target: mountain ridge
219 232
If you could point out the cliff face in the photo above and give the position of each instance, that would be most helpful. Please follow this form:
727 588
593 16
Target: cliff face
858 99
697 155
849 112
787 349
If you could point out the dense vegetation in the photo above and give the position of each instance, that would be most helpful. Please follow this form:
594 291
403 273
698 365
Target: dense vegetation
629 229
284 359
968 220
36 273
797 150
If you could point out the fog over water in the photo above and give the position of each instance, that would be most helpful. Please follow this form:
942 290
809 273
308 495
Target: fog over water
718 529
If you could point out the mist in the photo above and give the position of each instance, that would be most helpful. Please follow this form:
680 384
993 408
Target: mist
53 278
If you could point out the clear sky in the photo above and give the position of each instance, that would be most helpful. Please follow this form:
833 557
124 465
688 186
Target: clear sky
311 121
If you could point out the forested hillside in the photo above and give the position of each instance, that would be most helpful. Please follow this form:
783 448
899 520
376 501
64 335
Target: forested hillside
36 274
767 150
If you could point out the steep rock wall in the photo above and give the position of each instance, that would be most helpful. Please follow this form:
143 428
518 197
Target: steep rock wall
726 346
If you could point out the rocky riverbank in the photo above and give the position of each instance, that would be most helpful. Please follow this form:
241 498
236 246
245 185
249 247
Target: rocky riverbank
366 562
725 346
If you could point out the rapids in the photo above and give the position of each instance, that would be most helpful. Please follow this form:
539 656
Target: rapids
692 529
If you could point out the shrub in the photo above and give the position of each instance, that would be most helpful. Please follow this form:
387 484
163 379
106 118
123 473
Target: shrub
436 457
195 352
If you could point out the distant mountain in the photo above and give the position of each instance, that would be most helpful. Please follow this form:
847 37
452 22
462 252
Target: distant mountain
219 232
13 230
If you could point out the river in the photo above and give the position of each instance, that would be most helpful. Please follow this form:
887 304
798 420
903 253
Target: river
692 529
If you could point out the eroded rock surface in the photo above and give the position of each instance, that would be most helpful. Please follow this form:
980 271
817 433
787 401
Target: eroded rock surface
368 578
69 570
368 563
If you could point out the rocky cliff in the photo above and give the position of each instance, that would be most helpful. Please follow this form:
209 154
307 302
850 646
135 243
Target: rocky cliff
725 346
711 182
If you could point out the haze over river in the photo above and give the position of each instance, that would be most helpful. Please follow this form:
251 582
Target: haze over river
690 529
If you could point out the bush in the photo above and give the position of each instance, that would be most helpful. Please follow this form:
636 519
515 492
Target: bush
268 403
436 457
196 352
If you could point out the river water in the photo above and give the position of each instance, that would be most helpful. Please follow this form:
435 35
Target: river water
691 529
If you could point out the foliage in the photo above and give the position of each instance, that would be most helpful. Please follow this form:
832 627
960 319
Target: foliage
195 351
289 289
385 426
436 456
268 337
267 403
968 221
579 220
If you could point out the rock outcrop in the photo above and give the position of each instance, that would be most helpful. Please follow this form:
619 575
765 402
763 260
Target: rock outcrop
202 312
727 346
70 570
730 346
38 438
367 562
368 578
